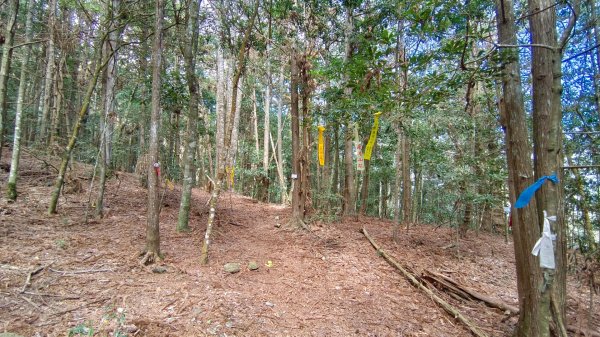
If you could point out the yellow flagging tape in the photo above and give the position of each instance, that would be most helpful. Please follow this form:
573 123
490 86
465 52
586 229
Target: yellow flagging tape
321 145
231 171
373 137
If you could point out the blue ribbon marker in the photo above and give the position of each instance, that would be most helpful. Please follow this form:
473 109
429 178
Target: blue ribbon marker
528 193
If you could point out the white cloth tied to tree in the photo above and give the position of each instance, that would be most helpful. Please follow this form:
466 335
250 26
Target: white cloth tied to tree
544 247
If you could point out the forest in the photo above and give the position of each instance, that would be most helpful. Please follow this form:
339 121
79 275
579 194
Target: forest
191 168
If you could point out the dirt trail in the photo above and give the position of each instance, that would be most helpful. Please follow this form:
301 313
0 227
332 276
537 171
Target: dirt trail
330 282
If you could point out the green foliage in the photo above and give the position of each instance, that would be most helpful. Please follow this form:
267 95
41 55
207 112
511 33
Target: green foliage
83 329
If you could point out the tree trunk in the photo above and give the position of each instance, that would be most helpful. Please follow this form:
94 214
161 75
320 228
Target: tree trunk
525 220
364 191
11 192
267 123
109 114
49 77
349 208
398 181
255 124
335 175
152 249
5 65
190 49
280 164
57 107
547 136
221 114
58 184
406 183
297 206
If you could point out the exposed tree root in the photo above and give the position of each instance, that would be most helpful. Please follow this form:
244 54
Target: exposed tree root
475 330
149 258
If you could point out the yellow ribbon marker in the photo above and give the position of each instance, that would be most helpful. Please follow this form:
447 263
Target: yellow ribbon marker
373 137
321 145
170 184
231 171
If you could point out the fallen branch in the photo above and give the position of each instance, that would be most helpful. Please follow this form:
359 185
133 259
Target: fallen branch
32 273
74 272
448 284
413 279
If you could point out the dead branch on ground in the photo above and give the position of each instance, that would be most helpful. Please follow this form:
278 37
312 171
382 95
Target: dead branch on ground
475 330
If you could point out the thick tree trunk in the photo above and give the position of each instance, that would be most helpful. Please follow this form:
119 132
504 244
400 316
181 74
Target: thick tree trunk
11 192
190 49
525 220
547 136
5 65
152 249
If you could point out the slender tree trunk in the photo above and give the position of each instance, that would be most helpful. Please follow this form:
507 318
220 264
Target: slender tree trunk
11 192
49 77
525 220
235 126
335 175
5 64
109 114
189 53
349 187
152 249
398 181
221 114
267 122
255 124
227 135
349 177
57 106
280 164
406 181
364 193
297 206
58 184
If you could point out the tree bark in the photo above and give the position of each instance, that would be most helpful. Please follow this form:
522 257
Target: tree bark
525 220
280 164
297 206
49 77
152 249
190 49
11 191
5 64
109 114
546 76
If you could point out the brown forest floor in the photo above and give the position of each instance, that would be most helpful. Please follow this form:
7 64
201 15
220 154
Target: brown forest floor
330 282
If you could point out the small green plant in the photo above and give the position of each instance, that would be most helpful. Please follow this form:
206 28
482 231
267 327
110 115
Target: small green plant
61 243
83 329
